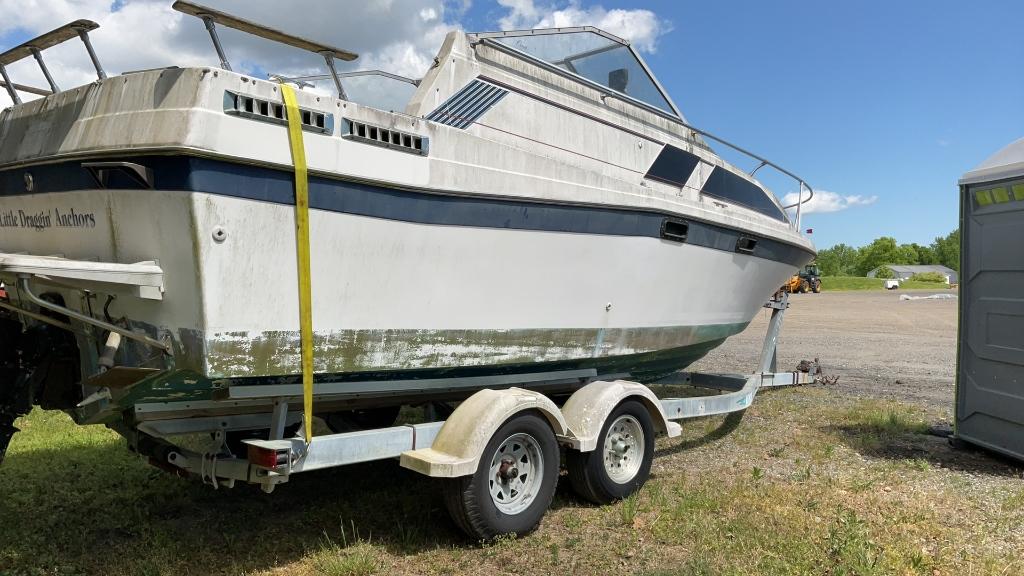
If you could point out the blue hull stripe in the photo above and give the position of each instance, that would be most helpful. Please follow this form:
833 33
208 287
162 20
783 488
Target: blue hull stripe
195 174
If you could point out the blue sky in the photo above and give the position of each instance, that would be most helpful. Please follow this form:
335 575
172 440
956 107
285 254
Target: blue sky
886 99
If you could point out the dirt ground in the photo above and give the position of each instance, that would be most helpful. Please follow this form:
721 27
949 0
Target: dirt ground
879 346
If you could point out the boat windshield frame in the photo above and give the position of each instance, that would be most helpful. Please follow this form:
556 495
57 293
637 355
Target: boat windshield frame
492 39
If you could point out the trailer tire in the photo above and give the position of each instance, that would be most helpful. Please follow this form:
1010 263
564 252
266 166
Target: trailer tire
591 473
471 500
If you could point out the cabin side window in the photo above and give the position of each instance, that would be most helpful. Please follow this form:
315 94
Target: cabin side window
734 188
674 166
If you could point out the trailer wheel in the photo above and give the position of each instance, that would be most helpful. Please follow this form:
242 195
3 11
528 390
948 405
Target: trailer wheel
513 485
621 462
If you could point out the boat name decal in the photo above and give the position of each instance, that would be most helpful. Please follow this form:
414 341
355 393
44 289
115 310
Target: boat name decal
42 220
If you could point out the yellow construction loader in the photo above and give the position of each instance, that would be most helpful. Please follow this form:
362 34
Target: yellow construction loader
804 281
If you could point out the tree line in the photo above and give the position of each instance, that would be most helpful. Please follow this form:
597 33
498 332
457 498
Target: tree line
845 260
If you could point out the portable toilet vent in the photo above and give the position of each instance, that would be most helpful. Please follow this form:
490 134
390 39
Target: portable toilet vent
990 357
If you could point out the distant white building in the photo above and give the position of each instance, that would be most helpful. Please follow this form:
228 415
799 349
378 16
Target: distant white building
905 271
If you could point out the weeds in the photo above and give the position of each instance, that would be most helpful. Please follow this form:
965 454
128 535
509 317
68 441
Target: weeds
756 473
888 421
850 548
804 474
356 559
920 464
628 509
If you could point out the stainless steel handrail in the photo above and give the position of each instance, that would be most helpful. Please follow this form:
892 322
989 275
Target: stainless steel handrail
36 46
605 91
316 77
765 162
211 18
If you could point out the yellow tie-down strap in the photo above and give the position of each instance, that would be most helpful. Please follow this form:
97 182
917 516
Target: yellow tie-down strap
302 248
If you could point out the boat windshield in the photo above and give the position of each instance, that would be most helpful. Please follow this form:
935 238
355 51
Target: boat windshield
594 56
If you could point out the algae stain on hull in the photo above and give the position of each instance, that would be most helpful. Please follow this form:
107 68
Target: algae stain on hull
276 353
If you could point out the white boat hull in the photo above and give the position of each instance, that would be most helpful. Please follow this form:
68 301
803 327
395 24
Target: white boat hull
395 295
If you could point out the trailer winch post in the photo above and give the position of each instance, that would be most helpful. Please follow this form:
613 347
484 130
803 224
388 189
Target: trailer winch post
769 350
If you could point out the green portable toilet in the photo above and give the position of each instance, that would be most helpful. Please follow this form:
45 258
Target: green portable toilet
990 356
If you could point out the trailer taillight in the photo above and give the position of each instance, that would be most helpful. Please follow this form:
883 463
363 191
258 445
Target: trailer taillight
268 457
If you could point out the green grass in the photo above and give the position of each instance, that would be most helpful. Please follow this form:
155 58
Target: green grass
844 283
804 483
837 283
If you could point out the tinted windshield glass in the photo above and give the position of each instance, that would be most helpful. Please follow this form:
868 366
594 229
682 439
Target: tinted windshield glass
597 59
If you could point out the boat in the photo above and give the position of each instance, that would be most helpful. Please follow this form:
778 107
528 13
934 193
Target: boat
538 214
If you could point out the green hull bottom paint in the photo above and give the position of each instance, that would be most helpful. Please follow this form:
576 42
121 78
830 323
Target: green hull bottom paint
233 355
184 386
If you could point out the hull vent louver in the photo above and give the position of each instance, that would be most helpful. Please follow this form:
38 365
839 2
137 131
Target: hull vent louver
467 105
267 111
386 137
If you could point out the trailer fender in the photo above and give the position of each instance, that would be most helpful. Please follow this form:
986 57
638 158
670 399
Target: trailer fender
460 443
589 407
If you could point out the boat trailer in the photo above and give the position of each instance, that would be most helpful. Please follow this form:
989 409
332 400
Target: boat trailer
498 450
612 420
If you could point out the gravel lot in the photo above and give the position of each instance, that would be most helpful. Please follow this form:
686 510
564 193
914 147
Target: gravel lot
879 346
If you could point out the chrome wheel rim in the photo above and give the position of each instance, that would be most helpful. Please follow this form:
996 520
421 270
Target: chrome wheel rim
517 468
623 449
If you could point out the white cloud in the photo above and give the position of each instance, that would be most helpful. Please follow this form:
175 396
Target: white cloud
140 34
825 201
641 27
